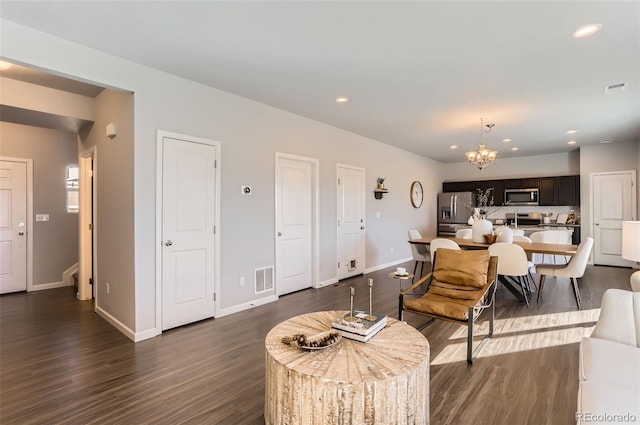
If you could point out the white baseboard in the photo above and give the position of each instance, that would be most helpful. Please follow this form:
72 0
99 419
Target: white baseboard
326 283
116 324
67 275
149 333
247 306
384 266
366 271
51 285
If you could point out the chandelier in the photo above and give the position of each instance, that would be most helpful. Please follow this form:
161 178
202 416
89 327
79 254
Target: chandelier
483 156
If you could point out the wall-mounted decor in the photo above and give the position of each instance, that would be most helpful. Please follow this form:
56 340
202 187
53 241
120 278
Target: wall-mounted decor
417 194
380 190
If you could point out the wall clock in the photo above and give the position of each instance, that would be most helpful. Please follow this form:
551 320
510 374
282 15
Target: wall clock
417 195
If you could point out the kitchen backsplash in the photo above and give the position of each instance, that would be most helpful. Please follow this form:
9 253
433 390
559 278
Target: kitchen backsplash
500 212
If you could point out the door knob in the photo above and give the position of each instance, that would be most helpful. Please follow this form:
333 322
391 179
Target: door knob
279 233
168 243
21 233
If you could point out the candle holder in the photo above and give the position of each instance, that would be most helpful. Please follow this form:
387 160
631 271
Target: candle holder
351 317
370 317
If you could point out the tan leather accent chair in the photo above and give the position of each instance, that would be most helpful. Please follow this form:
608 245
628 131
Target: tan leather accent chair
461 286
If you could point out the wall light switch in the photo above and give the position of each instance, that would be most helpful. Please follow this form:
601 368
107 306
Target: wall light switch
42 217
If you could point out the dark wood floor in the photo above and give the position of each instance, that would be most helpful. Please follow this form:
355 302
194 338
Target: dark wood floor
63 364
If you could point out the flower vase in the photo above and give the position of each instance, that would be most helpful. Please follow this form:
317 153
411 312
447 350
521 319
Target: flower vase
481 227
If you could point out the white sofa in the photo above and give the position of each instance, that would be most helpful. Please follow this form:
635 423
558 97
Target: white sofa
609 365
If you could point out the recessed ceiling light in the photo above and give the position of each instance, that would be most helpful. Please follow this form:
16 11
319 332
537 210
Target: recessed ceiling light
342 99
454 146
5 65
603 141
586 30
506 140
514 148
572 131
571 142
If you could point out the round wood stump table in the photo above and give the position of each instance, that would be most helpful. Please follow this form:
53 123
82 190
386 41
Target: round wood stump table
382 381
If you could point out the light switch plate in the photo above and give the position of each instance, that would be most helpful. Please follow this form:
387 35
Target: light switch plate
42 217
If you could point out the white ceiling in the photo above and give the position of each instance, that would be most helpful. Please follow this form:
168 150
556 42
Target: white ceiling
419 75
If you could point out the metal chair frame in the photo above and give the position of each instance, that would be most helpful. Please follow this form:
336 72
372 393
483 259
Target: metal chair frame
488 301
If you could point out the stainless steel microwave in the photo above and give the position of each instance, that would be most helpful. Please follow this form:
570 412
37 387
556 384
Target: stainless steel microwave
521 196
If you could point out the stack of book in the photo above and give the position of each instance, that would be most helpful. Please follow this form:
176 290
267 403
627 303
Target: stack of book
361 329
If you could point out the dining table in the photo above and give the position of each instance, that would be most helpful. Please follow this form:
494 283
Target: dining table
529 248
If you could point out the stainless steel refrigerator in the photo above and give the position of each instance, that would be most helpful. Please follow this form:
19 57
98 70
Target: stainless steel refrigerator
454 211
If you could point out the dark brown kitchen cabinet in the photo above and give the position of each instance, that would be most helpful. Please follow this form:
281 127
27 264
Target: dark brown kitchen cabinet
563 190
458 187
553 191
526 183
568 190
498 191
547 191
473 186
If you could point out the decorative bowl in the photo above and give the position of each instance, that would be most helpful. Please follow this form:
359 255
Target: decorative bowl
489 238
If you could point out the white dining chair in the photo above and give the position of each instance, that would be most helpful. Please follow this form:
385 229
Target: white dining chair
518 232
562 237
521 238
531 265
464 234
513 262
419 252
440 243
573 270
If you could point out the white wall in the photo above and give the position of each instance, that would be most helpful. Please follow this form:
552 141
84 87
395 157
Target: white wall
250 134
560 164
44 99
114 216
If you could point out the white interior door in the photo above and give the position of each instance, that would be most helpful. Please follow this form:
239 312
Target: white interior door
13 226
351 221
188 242
86 275
613 202
294 223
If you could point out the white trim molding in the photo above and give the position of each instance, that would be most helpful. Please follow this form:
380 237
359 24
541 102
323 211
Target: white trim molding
386 265
327 282
67 275
50 285
246 306
116 324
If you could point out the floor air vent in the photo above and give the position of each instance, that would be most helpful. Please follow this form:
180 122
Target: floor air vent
263 279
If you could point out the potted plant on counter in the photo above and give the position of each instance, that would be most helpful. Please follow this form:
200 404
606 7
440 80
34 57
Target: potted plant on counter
481 226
